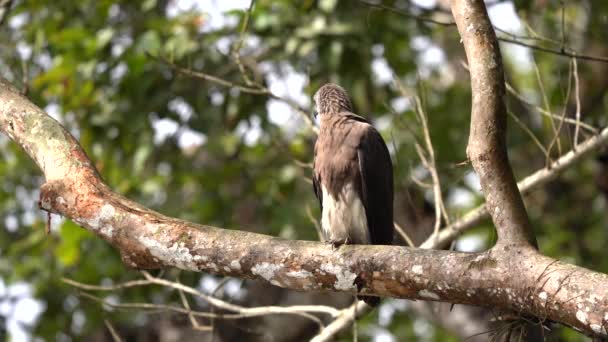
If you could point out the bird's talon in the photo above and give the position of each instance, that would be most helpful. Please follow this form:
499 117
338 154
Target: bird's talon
335 244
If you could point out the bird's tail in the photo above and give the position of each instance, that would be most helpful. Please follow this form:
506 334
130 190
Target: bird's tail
370 300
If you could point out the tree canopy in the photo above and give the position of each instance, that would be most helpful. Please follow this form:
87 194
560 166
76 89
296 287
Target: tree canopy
201 111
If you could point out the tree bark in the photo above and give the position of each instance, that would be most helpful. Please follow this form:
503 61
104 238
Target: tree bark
487 149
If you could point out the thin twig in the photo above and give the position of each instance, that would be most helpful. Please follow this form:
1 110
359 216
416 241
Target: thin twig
564 52
535 36
538 36
543 93
214 79
246 313
239 44
113 333
420 183
404 235
215 293
172 308
88 287
315 223
193 320
578 103
529 132
344 320
429 163
564 111
302 164
523 100
254 89
563 25
534 180
409 15
296 309
25 77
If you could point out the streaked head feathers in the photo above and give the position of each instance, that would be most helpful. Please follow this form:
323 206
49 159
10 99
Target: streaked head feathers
332 99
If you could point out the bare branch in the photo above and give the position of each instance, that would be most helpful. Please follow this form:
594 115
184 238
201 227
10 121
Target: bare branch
239 44
487 144
314 222
404 235
257 311
343 321
542 111
408 15
563 51
214 79
254 89
530 133
541 87
193 321
113 332
177 309
577 96
220 304
556 137
428 162
125 285
535 180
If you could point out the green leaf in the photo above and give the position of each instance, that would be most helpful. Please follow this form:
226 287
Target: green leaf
141 155
68 249
328 5
149 43
148 5
104 36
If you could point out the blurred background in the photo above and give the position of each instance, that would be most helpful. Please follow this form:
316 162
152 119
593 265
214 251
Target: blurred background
234 151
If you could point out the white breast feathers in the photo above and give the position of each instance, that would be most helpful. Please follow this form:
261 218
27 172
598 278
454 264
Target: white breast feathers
343 219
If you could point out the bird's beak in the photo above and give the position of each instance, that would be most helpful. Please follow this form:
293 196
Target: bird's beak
314 113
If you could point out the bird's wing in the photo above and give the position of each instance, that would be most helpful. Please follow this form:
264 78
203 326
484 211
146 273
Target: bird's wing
354 117
376 171
316 186
316 181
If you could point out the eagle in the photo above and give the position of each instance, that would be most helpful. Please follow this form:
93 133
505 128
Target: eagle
352 175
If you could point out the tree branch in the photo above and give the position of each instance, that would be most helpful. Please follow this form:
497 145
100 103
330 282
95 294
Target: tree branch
487 143
563 50
343 321
250 88
536 179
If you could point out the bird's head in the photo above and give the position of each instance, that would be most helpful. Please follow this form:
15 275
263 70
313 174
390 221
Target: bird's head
331 99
